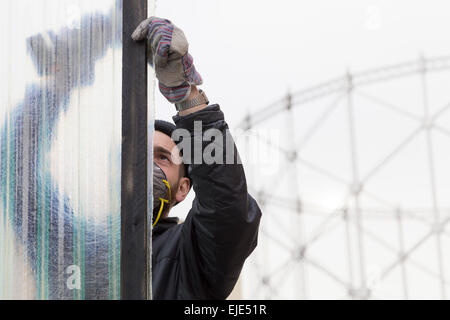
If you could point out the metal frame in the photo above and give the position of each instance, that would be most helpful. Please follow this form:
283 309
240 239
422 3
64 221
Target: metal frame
135 278
347 87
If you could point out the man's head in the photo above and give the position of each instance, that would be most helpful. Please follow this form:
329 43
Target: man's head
167 156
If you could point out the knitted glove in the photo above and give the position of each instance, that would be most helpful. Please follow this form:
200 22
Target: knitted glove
168 54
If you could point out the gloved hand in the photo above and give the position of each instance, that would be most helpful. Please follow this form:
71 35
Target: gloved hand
168 54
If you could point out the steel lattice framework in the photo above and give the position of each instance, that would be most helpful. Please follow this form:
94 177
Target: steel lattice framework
404 241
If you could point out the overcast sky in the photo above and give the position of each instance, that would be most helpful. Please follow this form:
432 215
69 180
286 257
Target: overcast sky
250 53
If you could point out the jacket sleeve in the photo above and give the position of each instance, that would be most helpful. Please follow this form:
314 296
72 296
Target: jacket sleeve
221 229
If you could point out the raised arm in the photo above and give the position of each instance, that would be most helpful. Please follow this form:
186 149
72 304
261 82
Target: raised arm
221 229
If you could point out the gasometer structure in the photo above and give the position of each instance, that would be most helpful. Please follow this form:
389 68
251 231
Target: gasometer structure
353 179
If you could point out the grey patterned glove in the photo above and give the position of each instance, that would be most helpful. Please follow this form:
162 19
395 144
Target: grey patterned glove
168 54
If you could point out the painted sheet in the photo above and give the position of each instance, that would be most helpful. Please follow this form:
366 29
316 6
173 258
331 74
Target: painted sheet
60 149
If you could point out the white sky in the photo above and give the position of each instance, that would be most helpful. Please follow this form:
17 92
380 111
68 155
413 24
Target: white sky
250 53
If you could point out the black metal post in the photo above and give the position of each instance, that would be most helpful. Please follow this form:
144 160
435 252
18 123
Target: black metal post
134 233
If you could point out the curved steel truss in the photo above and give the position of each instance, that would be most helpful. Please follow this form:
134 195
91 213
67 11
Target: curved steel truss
372 244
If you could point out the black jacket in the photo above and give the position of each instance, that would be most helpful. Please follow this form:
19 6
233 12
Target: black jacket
203 257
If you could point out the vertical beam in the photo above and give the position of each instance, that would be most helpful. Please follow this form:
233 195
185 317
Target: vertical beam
356 186
432 174
296 222
348 241
134 232
401 243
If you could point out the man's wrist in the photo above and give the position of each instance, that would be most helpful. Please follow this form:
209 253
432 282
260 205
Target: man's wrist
194 93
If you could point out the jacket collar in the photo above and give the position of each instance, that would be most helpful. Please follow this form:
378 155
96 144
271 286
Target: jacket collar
164 224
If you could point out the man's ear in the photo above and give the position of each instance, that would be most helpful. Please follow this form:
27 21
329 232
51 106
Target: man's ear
184 186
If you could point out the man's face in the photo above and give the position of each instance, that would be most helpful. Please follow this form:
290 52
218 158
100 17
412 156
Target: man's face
167 157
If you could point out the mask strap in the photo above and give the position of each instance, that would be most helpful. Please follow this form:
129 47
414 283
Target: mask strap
162 203
168 187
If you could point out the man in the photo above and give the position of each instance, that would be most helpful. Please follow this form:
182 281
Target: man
202 257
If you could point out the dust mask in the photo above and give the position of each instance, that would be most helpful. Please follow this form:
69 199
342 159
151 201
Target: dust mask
161 192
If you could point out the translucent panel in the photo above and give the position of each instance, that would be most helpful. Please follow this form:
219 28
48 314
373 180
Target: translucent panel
60 144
